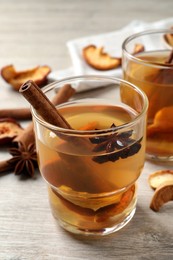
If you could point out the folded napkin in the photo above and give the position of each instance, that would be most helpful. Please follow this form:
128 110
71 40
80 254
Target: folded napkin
112 43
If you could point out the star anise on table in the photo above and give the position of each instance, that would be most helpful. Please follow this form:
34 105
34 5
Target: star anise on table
115 146
24 159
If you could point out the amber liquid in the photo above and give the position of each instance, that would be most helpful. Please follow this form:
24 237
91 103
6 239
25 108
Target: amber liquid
158 85
85 194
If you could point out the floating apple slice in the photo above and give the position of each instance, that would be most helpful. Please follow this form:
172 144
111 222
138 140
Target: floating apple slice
98 59
17 78
163 122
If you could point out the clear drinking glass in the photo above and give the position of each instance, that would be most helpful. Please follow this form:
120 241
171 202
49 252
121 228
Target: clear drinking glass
91 170
152 71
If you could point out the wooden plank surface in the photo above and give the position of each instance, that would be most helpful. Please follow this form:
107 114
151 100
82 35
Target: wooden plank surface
34 33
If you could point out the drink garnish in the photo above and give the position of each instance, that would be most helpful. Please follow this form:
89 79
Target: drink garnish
116 146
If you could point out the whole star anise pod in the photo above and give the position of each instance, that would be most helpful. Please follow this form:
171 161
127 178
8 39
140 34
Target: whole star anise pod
24 159
116 146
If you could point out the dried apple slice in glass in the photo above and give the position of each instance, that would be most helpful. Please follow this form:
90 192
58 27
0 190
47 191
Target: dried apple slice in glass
163 122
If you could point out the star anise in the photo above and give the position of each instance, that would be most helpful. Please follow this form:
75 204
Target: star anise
24 159
115 145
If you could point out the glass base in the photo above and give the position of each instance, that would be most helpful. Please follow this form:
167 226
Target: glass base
161 159
102 232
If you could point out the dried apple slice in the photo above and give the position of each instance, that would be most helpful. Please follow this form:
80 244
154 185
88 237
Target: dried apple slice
169 38
8 73
138 48
163 122
159 177
162 195
17 78
164 115
160 129
89 126
98 59
9 129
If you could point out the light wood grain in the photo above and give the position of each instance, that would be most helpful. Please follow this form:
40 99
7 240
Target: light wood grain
34 33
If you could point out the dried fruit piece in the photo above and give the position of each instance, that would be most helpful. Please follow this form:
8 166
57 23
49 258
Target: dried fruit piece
164 116
138 48
121 144
17 78
163 122
159 177
9 129
162 130
169 38
90 126
162 195
98 59
24 159
114 209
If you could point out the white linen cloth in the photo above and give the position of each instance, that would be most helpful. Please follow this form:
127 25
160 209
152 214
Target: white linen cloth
112 43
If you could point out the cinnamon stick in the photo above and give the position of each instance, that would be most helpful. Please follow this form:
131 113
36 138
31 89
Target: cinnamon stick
162 76
5 166
42 104
162 73
16 113
26 137
62 96
170 58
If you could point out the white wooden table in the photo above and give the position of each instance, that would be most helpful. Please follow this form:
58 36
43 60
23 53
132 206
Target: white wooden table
35 33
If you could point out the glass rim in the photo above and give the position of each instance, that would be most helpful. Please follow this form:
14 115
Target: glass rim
75 132
144 33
